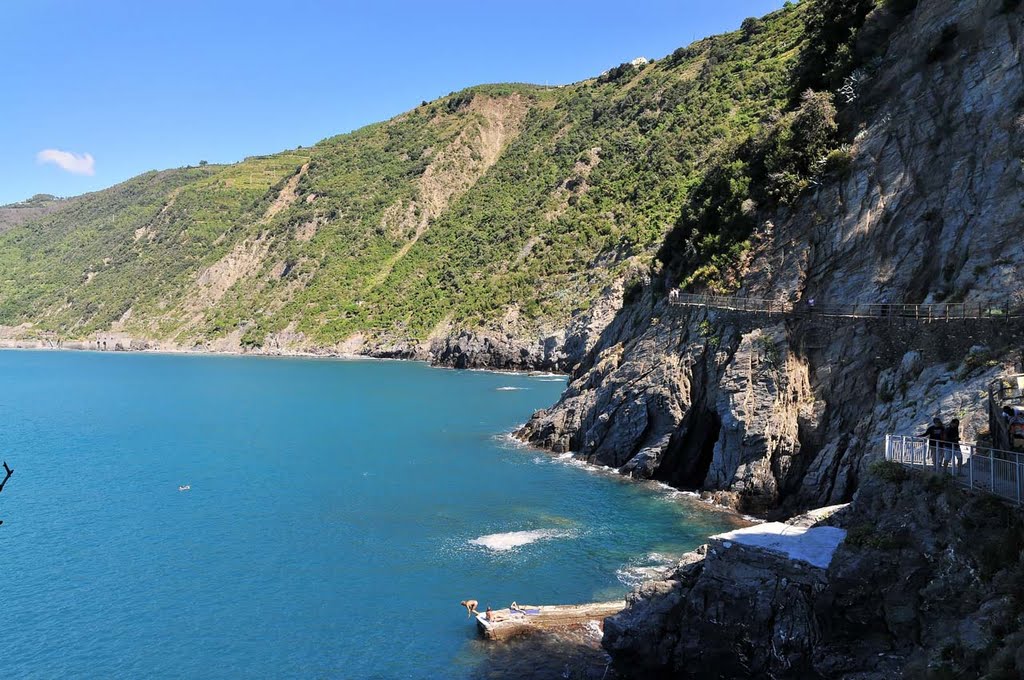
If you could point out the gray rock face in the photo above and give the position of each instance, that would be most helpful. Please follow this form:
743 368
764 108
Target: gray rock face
737 612
511 347
494 351
766 413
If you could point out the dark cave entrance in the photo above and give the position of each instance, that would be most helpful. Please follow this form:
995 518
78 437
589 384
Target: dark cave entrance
690 451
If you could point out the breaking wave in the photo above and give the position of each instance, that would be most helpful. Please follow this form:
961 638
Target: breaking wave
652 567
515 539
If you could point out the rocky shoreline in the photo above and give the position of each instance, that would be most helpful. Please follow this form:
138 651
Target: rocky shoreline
925 584
464 351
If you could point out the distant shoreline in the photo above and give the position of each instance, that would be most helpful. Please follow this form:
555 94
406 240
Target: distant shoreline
8 344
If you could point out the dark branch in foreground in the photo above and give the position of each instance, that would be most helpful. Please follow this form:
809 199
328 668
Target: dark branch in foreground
9 472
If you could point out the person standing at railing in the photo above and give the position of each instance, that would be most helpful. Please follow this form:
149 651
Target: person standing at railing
935 434
1016 429
951 444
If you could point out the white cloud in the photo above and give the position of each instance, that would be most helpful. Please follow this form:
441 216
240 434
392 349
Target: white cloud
76 164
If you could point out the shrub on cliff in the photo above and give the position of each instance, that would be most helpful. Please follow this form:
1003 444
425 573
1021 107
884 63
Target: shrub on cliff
828 53
711 235
889 471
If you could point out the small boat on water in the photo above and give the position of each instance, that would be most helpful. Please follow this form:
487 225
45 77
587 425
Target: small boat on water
187 487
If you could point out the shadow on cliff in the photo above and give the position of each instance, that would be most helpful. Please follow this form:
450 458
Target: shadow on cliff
574 655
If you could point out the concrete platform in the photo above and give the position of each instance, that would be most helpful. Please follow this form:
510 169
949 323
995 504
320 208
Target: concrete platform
505 623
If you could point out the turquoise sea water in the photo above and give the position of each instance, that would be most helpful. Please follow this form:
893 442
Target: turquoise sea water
329 528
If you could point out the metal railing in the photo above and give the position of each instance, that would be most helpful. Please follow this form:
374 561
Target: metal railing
946 311
1004 391
1000 473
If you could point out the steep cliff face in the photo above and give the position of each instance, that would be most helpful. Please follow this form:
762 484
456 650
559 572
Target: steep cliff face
768 412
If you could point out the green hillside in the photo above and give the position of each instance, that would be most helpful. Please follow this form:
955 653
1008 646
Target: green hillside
500 202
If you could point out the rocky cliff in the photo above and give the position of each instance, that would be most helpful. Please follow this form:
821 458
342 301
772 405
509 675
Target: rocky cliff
776 414
926 584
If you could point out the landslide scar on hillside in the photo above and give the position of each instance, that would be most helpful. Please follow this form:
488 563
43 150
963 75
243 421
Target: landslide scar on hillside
454 171
245 259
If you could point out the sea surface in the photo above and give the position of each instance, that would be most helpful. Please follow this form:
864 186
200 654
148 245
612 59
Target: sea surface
338 511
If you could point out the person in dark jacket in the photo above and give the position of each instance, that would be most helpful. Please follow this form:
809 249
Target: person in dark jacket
951 443
935 433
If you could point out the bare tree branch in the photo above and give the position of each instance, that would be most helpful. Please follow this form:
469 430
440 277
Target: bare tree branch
9 472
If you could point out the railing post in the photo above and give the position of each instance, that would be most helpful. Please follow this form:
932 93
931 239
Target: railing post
1017 474
970 471
992 470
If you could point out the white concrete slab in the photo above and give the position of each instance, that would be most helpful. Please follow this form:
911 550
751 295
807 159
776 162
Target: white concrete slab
814 545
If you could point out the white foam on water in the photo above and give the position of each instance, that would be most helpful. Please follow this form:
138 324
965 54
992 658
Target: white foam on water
514 539
594 630
507 440
570 459
652 567
509 388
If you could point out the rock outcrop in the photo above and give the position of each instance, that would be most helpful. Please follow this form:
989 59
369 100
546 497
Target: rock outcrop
497 351
926 584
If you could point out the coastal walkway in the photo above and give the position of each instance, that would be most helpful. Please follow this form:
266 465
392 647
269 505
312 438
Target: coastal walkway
528 619
993 471
926 313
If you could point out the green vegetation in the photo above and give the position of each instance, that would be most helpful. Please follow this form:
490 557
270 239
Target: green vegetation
890 471
767 167
871 537
494 198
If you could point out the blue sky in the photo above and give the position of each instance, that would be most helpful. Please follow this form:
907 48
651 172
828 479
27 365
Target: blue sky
92 93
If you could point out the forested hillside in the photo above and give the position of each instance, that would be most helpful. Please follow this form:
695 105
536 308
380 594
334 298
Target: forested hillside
501 206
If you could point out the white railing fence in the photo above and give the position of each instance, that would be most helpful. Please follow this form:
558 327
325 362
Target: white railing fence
993 471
